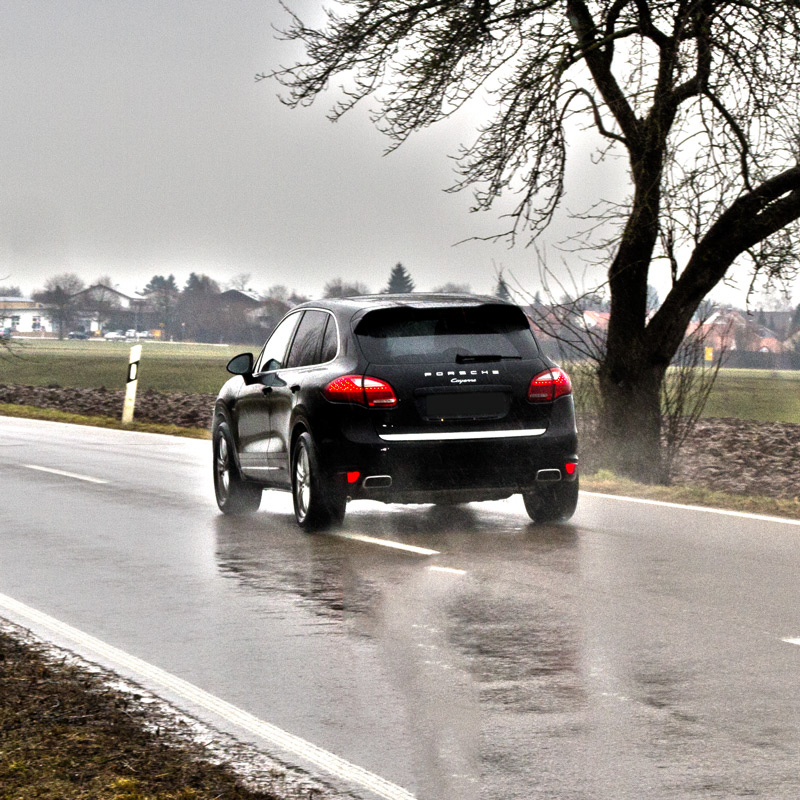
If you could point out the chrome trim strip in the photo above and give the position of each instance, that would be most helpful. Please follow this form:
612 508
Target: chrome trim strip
461 435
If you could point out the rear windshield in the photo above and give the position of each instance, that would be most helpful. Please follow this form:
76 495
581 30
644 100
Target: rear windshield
445 335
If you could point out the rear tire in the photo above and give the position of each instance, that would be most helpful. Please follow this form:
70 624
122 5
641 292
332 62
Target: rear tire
319 499
234 495
553 502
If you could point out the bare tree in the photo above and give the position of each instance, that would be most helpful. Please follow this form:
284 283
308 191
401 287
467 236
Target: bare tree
240 281
59 297
702 97
336 287
453 288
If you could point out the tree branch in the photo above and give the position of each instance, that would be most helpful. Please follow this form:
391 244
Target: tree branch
585 28
749 220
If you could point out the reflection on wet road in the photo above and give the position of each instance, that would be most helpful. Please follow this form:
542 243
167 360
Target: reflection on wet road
634 653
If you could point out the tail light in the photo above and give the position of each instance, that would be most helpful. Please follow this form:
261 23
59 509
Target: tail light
360 389
549 385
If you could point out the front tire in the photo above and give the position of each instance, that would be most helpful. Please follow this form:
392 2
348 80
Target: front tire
234 494
319 499
553 502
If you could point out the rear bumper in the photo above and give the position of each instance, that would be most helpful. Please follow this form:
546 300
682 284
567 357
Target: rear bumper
496 466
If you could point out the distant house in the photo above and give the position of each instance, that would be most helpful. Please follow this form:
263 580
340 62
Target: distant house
730 330
24 315
102 308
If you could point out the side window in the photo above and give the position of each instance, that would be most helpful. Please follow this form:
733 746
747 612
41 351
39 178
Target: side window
330 344
305 348
272 356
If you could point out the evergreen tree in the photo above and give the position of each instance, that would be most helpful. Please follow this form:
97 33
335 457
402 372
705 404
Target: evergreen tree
501 290
399 280
163 295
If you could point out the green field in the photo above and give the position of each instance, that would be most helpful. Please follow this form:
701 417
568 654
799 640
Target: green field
200 368
165 366
760 394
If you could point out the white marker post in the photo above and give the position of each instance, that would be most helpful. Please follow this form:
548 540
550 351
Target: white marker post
130 386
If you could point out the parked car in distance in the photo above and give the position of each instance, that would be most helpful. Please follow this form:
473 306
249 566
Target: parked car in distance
5 333
408 398
114 335
77 335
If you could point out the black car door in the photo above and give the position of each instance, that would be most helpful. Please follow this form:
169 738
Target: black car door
298 372
253 404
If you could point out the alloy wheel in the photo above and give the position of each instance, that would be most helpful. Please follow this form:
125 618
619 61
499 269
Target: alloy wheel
302 482
223 469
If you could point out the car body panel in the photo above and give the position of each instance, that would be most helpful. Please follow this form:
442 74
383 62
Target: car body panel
458 429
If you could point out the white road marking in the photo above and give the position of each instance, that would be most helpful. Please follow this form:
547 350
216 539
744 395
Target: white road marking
708 510
329 762
65 474
448 570
792 640
409 548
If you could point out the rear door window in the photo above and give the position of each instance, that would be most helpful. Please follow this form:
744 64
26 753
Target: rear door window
445 335
306 344
330 342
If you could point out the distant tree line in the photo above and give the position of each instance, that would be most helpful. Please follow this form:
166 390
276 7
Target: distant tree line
202 309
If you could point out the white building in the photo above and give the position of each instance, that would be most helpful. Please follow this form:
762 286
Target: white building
23 315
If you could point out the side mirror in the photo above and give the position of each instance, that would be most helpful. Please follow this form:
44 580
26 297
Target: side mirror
241 364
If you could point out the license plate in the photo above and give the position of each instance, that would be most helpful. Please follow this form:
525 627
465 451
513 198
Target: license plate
466 405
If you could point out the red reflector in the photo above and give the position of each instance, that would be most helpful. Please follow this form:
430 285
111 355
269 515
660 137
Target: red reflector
570 467
549 385
360 389
352 477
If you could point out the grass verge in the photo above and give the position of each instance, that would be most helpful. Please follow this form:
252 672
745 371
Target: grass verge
608 483
33 412
65 734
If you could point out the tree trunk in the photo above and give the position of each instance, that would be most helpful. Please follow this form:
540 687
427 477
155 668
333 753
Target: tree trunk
630 418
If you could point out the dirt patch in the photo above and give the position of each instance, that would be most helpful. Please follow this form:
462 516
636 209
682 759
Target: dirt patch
186 410
729 455
742 457
65 734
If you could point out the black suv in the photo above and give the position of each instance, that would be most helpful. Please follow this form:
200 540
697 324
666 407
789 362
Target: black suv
409 398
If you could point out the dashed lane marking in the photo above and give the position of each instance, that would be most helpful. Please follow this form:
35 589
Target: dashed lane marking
792 640
64 474
448 570
408 548
289 743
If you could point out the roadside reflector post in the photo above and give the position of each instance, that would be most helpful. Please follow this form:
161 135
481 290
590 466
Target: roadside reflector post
130 385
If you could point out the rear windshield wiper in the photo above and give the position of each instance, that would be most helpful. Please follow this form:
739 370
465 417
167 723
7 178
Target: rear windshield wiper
469 358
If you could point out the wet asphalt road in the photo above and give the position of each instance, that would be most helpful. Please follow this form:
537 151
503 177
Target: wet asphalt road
637 652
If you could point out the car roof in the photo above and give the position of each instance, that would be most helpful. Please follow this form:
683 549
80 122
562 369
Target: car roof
370 302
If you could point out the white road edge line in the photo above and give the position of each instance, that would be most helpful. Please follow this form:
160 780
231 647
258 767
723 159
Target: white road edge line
63 474
329 762
707 509
792 640
409 548
448 570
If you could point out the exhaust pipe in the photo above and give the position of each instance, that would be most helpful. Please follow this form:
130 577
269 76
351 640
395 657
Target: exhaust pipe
548 475
377 482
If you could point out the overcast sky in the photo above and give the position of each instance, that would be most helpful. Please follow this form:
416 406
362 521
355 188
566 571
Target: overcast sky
135 141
